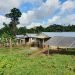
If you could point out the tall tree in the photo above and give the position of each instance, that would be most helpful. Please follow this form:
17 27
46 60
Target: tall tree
14 15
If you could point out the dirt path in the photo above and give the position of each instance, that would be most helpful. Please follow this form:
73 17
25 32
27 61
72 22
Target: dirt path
38 52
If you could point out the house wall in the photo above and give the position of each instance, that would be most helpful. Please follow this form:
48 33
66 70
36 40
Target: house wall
40 42
20 42
29 41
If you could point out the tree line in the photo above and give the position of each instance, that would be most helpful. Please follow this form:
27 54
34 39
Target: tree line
38 29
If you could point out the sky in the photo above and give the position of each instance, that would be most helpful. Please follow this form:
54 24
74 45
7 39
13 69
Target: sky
39 12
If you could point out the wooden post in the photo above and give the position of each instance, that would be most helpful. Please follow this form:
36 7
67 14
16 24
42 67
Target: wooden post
43 43
30 42
35 42
20 41
10 44
25 41
48 50
17 42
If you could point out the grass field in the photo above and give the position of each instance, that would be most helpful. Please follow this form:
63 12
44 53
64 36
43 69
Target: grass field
18 62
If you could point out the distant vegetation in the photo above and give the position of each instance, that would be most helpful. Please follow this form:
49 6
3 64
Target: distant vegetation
51 28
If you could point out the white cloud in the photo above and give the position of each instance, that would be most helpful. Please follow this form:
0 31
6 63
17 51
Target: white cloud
33 25
46 10
69 19
65 15
26 18
6 5
3 19
68 5
53 20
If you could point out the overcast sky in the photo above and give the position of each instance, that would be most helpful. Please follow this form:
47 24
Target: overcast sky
40 12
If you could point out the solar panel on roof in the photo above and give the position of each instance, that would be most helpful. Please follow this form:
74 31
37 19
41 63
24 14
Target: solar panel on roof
63 42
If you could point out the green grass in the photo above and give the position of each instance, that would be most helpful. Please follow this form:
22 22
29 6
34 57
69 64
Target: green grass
17 62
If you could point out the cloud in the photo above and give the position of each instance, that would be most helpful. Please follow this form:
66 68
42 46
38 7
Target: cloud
65 15
3 19
48 12
53 20
5 6
68 5
45 10
69 19
34 25
26 18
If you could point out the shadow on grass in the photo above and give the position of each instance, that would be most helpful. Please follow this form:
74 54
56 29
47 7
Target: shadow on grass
62 52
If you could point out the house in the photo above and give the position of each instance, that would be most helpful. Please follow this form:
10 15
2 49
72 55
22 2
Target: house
31 38
45 39
41 38
20 39
25 39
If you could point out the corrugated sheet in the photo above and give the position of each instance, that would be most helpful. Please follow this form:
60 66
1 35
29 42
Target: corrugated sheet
62 42
41 36
21 36
25 36
31 35
65 34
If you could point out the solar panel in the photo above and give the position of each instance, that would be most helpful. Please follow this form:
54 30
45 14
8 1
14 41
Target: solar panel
62 42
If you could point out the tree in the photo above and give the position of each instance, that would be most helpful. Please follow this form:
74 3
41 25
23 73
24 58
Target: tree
14 15
21 30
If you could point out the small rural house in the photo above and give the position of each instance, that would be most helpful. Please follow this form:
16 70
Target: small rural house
25 39
32 39
48 39
41 38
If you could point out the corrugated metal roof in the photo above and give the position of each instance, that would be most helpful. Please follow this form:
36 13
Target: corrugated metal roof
21 36
61 42
41 36
25 36
31 35
65 34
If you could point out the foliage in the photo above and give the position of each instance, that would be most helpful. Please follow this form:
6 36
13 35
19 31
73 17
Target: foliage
14 16
51 28
5 39
21 30
18 63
